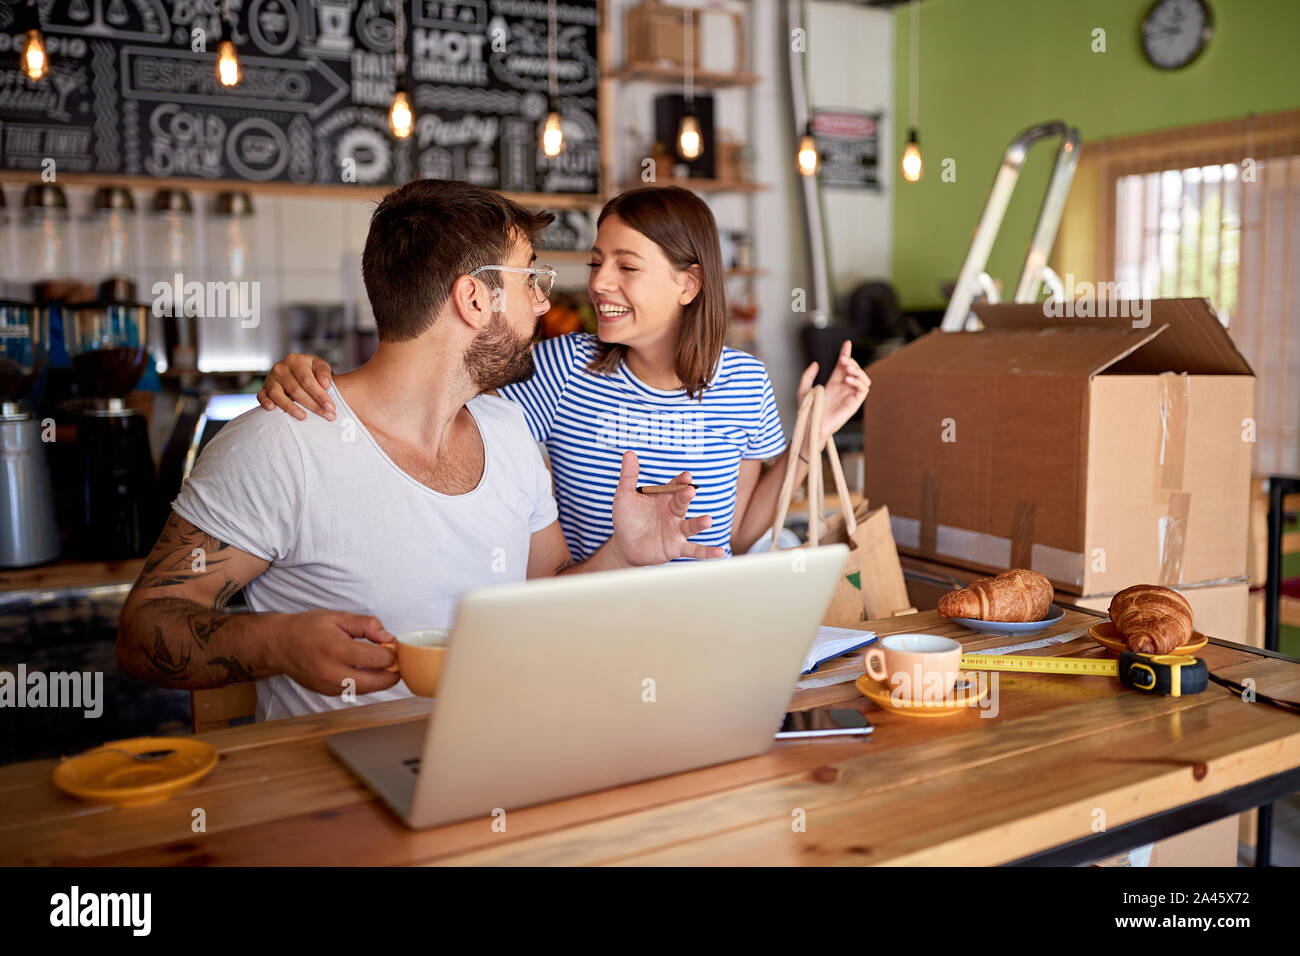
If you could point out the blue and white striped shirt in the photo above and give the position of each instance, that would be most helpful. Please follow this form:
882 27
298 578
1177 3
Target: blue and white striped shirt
587 421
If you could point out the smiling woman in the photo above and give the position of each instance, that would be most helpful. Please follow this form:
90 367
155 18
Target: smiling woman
656 281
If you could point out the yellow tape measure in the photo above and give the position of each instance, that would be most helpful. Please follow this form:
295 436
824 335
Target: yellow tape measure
1170 674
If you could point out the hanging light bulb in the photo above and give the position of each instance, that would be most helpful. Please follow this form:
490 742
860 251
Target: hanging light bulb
809 161
36 64
911 164
400 117
690 142
552 129
552 135
912 159
228 64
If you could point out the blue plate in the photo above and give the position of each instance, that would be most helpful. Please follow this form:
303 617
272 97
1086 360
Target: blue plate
1054 614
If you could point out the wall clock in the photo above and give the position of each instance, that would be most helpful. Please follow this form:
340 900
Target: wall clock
1175 32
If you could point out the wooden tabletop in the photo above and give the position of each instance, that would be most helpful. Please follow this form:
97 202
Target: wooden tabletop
70 575
963 790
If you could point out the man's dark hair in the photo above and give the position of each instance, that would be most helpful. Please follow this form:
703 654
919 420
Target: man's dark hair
426 234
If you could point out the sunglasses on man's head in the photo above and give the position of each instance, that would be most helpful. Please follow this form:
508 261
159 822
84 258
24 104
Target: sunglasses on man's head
540 278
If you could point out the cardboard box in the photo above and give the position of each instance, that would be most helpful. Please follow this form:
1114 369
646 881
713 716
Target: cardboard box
655 33
1214 844
1100 452
1218 610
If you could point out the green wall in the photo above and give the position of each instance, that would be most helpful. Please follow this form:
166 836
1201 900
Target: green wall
989 68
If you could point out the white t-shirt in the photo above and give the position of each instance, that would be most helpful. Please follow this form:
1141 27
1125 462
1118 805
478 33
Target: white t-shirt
345 529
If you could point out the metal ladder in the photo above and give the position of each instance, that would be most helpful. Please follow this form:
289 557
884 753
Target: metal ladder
958 315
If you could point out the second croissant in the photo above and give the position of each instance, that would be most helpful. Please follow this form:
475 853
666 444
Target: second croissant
1016 595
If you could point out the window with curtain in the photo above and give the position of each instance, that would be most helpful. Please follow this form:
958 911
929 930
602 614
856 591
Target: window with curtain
1208 211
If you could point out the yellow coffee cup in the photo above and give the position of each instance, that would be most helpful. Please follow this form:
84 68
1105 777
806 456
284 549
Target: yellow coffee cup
419 659
916 666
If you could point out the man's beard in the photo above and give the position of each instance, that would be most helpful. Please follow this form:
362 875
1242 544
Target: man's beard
496 358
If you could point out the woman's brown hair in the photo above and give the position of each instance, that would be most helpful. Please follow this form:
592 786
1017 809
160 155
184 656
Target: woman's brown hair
679 223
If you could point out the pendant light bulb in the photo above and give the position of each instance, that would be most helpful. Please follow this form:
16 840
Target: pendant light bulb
228 71
690 141
400 118
912 166
552 135
809 161
35 63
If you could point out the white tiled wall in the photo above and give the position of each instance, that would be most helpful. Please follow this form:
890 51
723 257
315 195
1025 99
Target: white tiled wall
301 252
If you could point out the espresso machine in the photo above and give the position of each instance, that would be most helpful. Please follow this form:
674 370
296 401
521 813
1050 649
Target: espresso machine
29 533
119 514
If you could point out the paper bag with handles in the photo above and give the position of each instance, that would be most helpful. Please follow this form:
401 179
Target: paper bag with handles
871 582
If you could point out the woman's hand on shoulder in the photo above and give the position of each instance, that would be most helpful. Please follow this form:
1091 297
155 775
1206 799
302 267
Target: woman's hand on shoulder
299 380
846 390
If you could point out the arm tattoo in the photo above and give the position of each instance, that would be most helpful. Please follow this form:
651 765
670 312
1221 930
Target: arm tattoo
236 672
202 623
183 628
172 562
228 590
160 657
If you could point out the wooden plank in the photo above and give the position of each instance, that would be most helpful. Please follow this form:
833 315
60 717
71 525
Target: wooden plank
702 185
71 574
359 192
703 79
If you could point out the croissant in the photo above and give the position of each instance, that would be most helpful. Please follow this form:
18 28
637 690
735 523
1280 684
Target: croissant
1015 595
1151 619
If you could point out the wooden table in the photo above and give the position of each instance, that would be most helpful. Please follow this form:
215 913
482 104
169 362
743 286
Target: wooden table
68 575
961 790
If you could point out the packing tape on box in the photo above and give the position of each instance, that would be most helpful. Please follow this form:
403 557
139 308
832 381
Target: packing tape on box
907 531
1171 527
1173 536
1173 391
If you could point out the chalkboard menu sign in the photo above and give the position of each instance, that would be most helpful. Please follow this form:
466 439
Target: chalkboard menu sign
128 92
848 143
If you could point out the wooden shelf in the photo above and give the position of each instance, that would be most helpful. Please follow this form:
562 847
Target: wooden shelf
563 256
293 190
580 257
704 185
71 574
706 79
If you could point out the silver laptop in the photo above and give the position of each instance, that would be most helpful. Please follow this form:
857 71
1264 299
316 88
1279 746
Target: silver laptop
564 686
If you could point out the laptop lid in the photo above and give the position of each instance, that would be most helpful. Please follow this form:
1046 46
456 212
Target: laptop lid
573 684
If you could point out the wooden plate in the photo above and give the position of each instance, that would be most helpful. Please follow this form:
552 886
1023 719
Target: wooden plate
1106 635
880 694
112 774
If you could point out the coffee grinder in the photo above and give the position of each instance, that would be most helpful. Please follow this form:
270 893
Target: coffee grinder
29 533
119 513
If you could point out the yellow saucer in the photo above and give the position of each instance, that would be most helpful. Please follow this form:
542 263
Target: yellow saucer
1106 635
111 774
880 694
